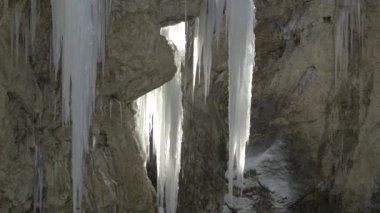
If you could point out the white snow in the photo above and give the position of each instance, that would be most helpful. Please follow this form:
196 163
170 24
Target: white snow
239 204
274 171
78 40
241 49
160 113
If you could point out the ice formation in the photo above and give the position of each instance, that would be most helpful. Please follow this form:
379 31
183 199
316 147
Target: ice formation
79 43
38 176
33 19
240 18
17 22
160 113
210 20
241 50
348 22
24 25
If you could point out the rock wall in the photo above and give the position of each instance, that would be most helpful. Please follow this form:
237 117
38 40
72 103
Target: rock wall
322 133
36 148
203 161
313 147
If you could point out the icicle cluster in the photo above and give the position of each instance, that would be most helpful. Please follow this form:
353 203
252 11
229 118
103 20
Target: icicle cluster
240 17
33 20
23 25
241 48
210 20
38 178
15 31
160 113
79 42
348 22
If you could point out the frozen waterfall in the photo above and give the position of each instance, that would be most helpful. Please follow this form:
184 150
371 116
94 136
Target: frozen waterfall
241 49
78 41
160 112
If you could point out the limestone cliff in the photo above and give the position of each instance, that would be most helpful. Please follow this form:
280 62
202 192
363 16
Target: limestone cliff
313 147
36 149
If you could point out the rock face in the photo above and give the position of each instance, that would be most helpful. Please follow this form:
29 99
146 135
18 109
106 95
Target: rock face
36 149
203 161
313 147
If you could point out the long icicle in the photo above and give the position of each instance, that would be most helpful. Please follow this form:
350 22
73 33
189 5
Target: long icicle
203 39
241 49
17 22
160 112
33 20
78 37
348 22
207 25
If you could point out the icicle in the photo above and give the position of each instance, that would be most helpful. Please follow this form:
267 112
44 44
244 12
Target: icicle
77 26
143 122
38 187
161 113
204 38
40 181
196 53
35 189
26 43
110 106
108 11
17 29
220 4
348 22
56 184
33 18
100 11
55 108
120 108
93 142
210 20
241 49
58 15
12 31
120 111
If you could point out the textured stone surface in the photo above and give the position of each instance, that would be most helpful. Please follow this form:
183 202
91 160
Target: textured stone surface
312 148
136 53
172 11
204 140
34 145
